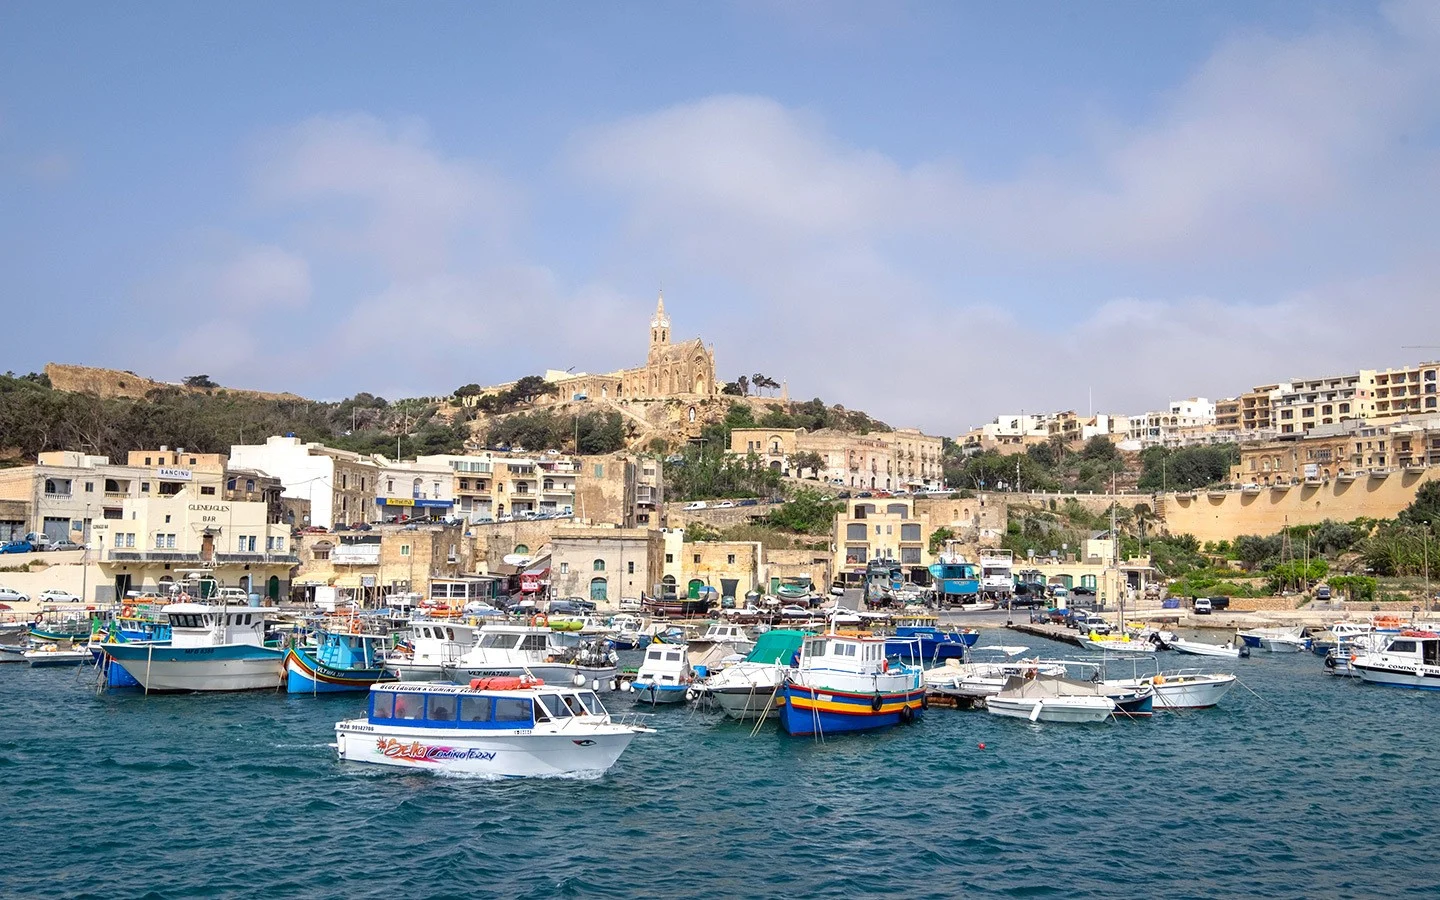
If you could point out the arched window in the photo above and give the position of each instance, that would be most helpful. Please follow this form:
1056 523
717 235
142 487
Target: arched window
598 565
521 549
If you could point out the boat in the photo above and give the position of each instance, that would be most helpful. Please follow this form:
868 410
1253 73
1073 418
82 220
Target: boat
750 689
535 650
844 683
1228 649
956 580
628 632
349 655
1049 700
135 625
1280 643
430 646
1409 659
665 675
794 588
1181 688
722 643
982 675
69 625
501 727
997 576
1117 643
1275 639
211 648
921 635
51 654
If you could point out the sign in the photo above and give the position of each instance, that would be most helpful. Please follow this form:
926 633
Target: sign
367 581
169 474
399 501
355 555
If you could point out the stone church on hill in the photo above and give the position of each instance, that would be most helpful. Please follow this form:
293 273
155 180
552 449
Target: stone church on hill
684 371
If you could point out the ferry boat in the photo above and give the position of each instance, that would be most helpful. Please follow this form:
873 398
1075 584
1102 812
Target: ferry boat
1410 659
504 727
431 645
347 656
844 683
211 648
531 649
922 636
665 675
750 689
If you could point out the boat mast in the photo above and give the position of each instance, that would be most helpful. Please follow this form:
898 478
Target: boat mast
1115 558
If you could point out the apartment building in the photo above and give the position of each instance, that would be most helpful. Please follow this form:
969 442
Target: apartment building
606 565
390 559
339 485
1342 450
1405 391
413 489
618 489
904 459
885 528
1323 401
917 457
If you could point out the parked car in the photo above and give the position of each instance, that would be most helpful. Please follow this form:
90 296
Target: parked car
55 595
1219 602
794 612
631 604
864 494
1202 606
725 504
1322 592
749 501
362 526
65 545
843 495
572 606
837 590
16 547
694 504
10 595
1088 621
1082 591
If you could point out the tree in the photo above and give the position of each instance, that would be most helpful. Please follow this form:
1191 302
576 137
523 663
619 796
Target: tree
467 390
200 381
1100 448
938 537
809 459
732 389
1425 508
807 512
1187 468
531 387
743 382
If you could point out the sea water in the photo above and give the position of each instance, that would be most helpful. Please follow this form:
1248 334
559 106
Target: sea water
1311 786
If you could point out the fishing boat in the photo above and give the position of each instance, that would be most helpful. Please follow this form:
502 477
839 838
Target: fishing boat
68 625
1409 659
52 654
844 683
1049 700
211 648
135 625
349 655
921 634
430 645
503 727
665 675
533 649
750 689
1228 649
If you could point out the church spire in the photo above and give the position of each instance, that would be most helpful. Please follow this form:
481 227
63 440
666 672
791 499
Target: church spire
660 325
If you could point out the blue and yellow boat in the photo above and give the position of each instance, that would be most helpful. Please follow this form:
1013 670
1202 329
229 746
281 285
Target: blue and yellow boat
844 683
346 658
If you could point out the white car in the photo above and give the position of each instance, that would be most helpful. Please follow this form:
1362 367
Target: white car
10 595
794 612
725 504
695 504
55 595
631 604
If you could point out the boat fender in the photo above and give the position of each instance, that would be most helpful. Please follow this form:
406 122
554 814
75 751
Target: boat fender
907 715
1158 679
876 702
924 701
1329 662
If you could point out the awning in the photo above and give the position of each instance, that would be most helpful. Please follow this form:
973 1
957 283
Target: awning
311 581
346 581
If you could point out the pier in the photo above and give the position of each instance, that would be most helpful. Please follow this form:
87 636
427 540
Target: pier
1046 630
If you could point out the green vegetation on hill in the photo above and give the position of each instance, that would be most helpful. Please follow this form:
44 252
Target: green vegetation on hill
590 432
1187 468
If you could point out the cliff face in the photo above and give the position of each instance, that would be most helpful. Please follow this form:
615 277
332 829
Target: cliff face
111 384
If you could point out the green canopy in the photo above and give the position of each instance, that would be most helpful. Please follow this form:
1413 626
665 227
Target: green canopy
777 645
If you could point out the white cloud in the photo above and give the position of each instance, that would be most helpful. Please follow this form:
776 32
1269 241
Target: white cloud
261 276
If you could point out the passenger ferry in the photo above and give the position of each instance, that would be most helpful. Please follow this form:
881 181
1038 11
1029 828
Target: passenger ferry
212 648
505 727
1410 659
845 683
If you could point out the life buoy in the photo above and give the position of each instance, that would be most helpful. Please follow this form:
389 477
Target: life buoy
876 702
540 620
39 617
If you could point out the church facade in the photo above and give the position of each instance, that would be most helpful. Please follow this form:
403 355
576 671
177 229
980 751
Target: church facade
684 371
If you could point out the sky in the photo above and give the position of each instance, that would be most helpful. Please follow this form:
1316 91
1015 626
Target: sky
934 212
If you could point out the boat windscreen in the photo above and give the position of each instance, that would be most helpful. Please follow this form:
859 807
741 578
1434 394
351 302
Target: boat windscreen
555 706
591 701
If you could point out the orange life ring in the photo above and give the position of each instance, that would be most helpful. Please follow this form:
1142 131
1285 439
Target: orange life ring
540 620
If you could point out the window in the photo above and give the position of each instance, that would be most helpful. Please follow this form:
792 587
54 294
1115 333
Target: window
130 539
564 568
404 549
669 557
159 541
250 485
147 460
207 489
344 481
230 484
630 568
441 708
475 709
240 544
599 470
598 565
409 706
512 710
910 533
729 560
382 705
89 487
855 532
697 559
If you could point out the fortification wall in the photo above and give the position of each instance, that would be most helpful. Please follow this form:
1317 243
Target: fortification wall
112 384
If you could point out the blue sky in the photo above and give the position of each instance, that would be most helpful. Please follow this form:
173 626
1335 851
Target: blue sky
934 212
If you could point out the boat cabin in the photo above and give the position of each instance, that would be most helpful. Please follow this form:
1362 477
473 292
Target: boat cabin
721 631
453 706
665 664
845 653
199 625
534 640
1415 648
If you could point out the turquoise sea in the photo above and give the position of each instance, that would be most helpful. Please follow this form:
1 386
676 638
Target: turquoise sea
1318 787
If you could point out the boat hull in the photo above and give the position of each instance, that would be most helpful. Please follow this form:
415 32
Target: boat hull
1077 710
747 704
41 659
1192 694
1282 645
516 754
658 694
1197 648
814 710
306 675
1420 679
405 670
233 667
599 678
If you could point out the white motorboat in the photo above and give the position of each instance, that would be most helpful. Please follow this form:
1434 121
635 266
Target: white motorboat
750 689
430 646
1278 643
982 677
1183 689
1047 700
1121 643
720 642
1200 648
49 655
211 648
504 727
1410 659
665 675
529 649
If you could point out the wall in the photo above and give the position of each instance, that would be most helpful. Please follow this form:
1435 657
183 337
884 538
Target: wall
114 383
714 564
494 542
1223 516
780 564
678 517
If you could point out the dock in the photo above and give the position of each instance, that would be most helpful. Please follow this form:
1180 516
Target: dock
1046 630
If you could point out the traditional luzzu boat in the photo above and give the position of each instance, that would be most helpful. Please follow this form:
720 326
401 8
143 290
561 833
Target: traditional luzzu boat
1410 659
844 683
503 727
348 656
211 648
750 689
72 625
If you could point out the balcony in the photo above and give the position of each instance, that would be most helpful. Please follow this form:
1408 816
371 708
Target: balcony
180 556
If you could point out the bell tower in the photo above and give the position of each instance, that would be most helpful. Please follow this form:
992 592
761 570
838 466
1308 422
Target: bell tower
659 326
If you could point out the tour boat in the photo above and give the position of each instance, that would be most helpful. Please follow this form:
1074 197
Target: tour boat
665 675
431 645
52 654
502 727
348 656
750 689
529 649
1049 700
1200 648
844 683
211 648
1409 659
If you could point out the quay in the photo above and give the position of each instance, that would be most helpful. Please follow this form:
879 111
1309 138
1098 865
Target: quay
1046 630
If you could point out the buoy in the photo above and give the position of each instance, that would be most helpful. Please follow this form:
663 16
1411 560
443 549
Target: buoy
982 745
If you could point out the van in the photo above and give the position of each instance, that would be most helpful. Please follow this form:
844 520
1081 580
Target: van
1322 592
1202 606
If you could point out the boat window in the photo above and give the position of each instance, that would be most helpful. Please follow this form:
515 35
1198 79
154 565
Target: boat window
1431 651
512 709
654 654
449 634
382 705
816 648
475 709
592 703
533 642
672 657
1402 646
409 706
554 706
441 708
575 705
